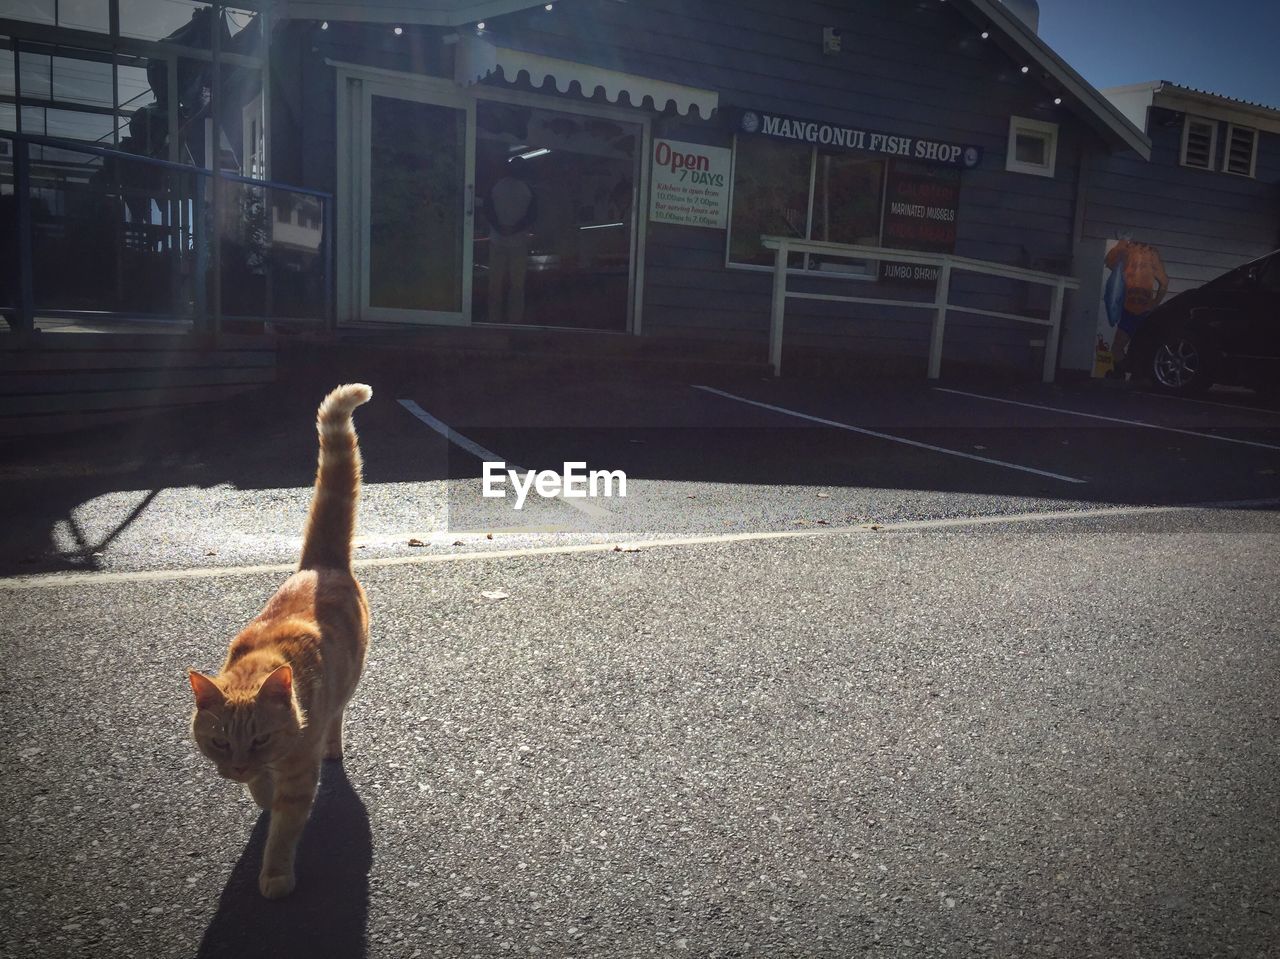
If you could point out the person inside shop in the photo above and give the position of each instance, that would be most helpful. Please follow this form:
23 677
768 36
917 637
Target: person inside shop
511 209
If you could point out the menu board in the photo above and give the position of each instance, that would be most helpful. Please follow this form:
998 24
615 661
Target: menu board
690 184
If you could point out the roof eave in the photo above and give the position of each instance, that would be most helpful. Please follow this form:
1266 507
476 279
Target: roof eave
441 13
1100 112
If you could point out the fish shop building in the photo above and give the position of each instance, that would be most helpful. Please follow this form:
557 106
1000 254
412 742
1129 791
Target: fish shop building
599 165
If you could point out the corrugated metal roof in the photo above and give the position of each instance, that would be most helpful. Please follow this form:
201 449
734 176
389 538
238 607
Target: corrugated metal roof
1219 96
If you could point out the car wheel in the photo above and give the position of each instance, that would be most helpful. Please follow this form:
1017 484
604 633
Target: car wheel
1180 364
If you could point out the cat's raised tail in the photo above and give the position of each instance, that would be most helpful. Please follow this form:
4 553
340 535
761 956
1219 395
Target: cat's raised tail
331 523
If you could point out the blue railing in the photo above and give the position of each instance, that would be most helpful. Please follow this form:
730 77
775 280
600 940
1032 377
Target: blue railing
89 231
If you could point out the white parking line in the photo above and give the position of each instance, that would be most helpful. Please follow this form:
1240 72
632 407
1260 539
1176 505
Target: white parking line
475 449
891 438
1112 419
48 580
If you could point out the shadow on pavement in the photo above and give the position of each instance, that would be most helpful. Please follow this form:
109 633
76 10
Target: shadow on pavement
328 912
49 521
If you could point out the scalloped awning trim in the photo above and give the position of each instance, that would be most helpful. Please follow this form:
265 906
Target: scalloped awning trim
478 58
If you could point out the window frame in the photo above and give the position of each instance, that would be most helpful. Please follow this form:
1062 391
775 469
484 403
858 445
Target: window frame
804 269
1253 156
1189 119
1029 126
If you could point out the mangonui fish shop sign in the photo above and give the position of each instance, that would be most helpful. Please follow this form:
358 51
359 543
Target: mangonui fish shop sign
690 184
835 136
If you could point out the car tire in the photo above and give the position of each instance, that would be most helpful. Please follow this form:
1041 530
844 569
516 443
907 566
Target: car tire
1180 363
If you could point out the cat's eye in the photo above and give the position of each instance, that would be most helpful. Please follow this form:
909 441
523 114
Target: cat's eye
260 741
221 744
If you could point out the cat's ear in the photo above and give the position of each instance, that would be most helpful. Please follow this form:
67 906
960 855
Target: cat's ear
278 687
208 695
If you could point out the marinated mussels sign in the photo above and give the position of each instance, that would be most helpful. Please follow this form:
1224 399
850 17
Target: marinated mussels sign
921 203
839 137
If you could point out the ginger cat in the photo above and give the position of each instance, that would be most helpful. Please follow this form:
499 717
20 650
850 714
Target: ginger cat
274 710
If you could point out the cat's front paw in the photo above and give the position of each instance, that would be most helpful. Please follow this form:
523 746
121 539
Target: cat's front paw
276 887
262 791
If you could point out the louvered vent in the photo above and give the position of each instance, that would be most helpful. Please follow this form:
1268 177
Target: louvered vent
1198 151
1240 146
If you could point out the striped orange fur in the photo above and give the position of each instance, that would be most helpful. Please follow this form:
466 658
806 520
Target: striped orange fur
274 710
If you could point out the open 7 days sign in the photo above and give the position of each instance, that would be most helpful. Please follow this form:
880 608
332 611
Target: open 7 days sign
690 184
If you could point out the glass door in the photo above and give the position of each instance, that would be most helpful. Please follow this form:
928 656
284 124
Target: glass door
555 217
415 157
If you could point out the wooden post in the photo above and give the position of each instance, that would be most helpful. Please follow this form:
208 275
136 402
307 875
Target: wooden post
939 320
779 307
1055 333
217 193
25 319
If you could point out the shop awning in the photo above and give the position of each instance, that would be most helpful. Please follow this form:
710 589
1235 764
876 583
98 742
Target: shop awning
479 57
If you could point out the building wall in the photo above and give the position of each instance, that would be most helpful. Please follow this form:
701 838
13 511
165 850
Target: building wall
914 69
1203 222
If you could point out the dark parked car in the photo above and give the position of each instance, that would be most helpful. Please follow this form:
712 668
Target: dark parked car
1227 331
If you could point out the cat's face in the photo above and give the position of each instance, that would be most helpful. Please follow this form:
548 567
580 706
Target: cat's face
242 734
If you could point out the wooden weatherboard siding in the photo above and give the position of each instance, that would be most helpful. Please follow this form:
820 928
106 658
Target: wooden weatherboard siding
1204 222
61 381
911 69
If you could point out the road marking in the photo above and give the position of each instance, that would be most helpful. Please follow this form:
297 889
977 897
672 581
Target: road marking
475 449
48 580
891 437
1112 419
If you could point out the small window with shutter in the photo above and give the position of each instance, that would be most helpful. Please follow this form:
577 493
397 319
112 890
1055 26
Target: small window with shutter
1242 150
1199 142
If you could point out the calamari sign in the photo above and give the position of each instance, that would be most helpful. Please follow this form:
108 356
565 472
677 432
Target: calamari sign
853 138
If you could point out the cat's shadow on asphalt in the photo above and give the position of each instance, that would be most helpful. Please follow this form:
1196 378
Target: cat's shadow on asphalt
328 913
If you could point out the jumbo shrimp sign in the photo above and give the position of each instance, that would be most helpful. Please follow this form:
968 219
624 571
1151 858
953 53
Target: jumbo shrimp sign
690 184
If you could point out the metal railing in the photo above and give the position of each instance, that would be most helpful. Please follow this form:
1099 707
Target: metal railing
947 264
90 232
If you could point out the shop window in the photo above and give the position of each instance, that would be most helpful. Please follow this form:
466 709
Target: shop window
565 255
771 181
1199 142
793 190
75 14
1242 150
68 125
83 79
1033 147
161 19
7 77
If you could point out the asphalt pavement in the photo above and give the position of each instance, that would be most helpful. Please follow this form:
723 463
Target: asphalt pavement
820 686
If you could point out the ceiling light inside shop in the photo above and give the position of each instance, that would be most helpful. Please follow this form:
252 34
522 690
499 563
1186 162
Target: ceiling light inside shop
600 226
540 152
